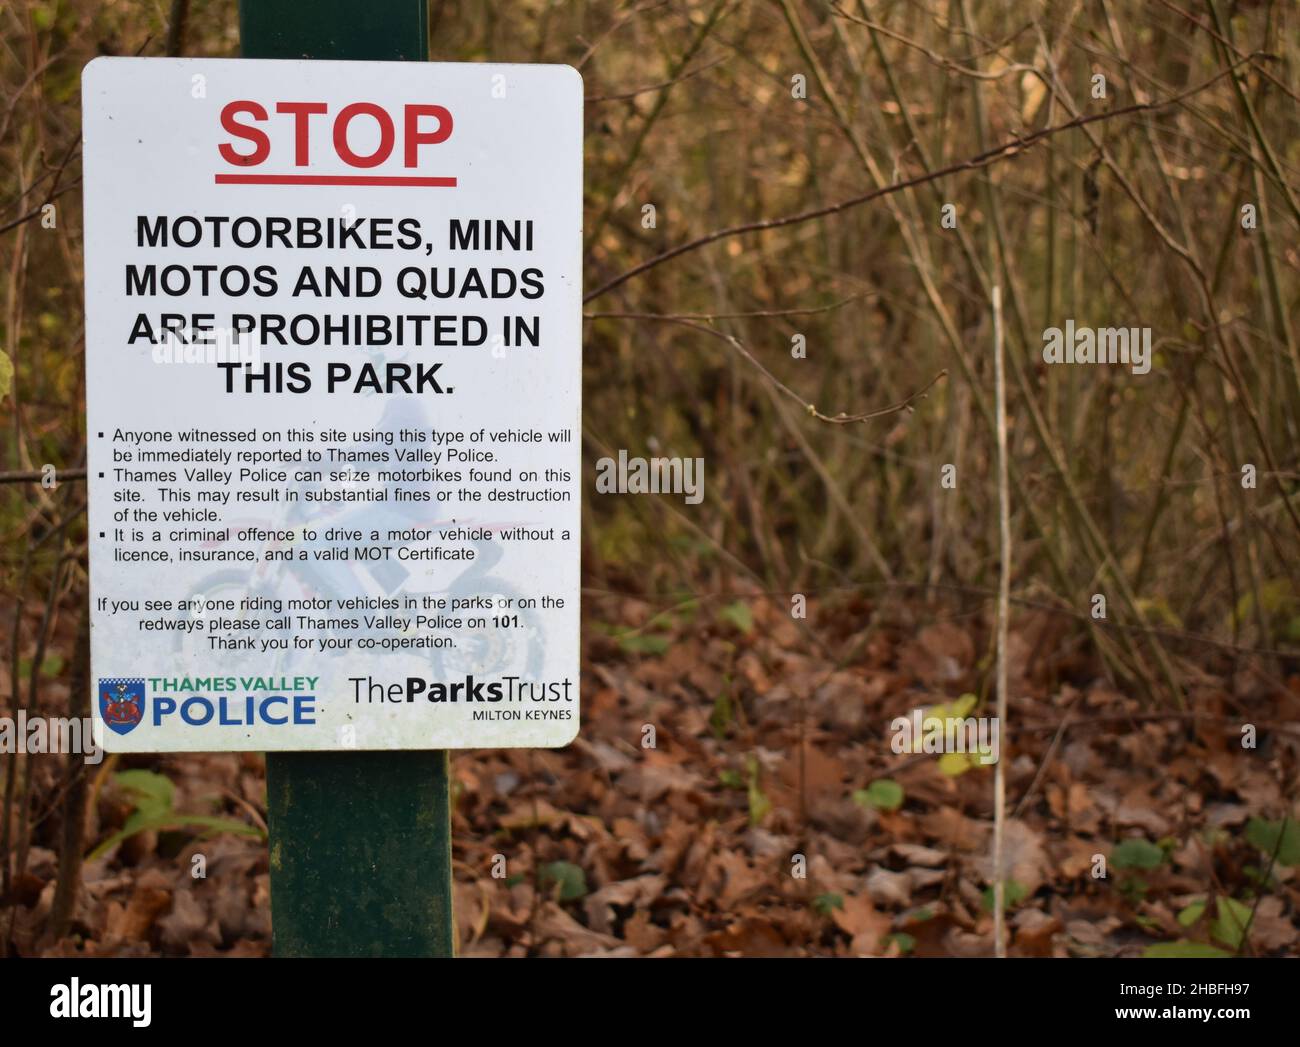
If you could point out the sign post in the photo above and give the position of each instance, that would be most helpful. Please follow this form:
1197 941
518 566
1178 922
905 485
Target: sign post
360 842
333 373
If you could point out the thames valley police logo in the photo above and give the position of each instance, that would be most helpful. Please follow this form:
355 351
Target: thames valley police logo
121 703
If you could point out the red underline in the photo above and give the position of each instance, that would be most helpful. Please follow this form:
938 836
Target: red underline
274 179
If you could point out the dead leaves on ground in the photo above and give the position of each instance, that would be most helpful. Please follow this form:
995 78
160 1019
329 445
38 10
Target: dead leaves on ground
762 738
749 827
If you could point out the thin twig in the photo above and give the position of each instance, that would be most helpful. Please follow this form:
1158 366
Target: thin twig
811 409
635 92
1004 601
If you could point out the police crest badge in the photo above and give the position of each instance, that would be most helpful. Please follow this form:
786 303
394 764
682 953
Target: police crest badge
121 703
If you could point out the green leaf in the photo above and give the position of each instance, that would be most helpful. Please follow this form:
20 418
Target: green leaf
1137 854
759 804
1191 914
150 791
643 643
720 717
6 374
1183 950
1230 927
153 795
739 615
1134 888
1013 893
962 706
572 881
955 764
1274 596
170 820
824 903
1270 837
906 943
884 794
935 718
731 779
1157 607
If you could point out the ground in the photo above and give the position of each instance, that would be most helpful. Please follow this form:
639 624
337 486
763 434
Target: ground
720 801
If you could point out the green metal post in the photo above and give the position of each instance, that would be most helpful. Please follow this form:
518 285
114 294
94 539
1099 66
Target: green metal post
360 841
361 30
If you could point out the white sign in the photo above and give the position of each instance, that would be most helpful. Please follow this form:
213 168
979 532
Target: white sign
333 374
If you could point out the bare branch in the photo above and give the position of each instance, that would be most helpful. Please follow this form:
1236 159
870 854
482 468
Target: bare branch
1005 151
